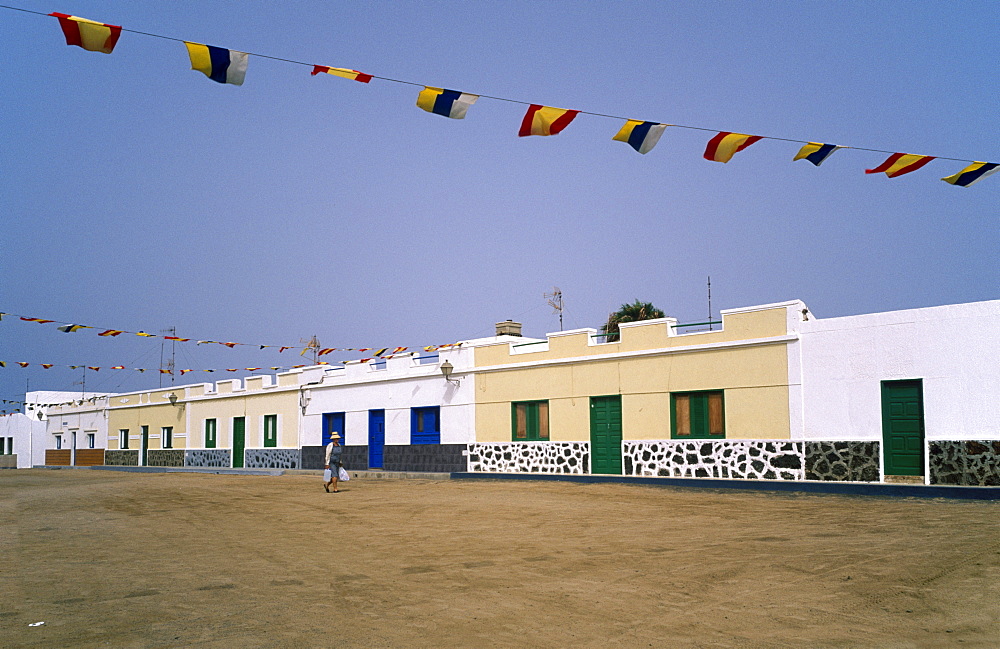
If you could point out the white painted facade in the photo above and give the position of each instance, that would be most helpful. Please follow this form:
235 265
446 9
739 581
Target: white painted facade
954 350
74 423
395 386
25 435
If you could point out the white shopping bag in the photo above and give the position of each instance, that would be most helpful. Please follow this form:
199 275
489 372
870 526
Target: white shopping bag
344 475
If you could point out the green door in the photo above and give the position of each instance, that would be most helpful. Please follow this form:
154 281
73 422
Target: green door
903 427
606 435
239 441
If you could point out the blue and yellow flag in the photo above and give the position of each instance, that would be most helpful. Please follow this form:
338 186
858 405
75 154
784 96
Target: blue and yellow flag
816 152
641 136
972 174
450 103
218 63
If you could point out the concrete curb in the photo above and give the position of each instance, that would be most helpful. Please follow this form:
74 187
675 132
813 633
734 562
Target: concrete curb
360 475
786 486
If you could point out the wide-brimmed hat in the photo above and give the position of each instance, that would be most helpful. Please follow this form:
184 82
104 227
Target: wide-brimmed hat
334 436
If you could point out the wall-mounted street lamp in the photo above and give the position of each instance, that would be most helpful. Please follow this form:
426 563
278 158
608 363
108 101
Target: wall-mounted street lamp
173 399
447 368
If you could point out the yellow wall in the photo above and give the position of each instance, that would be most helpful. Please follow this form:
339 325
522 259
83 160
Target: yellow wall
735 326
754 379
154 410
251 405
151 409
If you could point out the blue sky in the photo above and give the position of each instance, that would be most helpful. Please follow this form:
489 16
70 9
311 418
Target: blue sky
137 194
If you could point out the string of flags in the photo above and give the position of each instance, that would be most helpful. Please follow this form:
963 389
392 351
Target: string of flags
67 327
230 66
378 356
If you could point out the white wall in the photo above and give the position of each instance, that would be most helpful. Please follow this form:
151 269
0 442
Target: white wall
357 388
29 438
80 419
954 349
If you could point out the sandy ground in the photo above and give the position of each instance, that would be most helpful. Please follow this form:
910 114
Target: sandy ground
110 559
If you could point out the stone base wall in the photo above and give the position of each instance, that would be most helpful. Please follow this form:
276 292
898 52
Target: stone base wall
746 459
8 461
209 457
969 463
843 461
313 457
165 457
435 458
530 457
355 458
121 458
272 458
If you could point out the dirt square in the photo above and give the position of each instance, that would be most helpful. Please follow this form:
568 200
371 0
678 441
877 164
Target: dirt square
113 559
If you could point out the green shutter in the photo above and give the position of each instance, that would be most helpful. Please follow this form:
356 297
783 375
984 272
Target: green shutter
270 431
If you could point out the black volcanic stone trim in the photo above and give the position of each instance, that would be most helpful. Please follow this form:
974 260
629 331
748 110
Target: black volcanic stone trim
209 457
842 461
124 457
272 458
314 456
165 457
434 458
742 459
354 458
529 457
974 463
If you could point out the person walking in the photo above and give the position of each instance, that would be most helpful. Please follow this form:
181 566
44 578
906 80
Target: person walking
334 451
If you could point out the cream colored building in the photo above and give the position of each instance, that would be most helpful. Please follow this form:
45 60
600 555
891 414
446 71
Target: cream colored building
574 403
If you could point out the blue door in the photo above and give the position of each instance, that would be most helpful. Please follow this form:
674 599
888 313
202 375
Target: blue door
376 438
333 422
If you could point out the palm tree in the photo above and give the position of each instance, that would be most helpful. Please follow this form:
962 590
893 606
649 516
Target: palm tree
629 313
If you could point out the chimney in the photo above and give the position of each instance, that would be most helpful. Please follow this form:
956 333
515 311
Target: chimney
508 328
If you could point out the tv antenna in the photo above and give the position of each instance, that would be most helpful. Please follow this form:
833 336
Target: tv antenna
710 303
556 302
173 348
313 344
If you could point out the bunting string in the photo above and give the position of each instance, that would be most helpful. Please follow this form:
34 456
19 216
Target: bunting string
229 66
67 327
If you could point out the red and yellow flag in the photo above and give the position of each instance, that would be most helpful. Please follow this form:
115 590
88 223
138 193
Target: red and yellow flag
88 34
900 163
725 145
545 120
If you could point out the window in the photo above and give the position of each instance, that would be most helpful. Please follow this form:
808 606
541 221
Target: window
697 415
529 420
123 438
6 445
58 442
90 440
167 435
210 428
270 431
425 425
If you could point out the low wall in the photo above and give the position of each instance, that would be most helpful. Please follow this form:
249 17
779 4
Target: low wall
89 457
55 457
